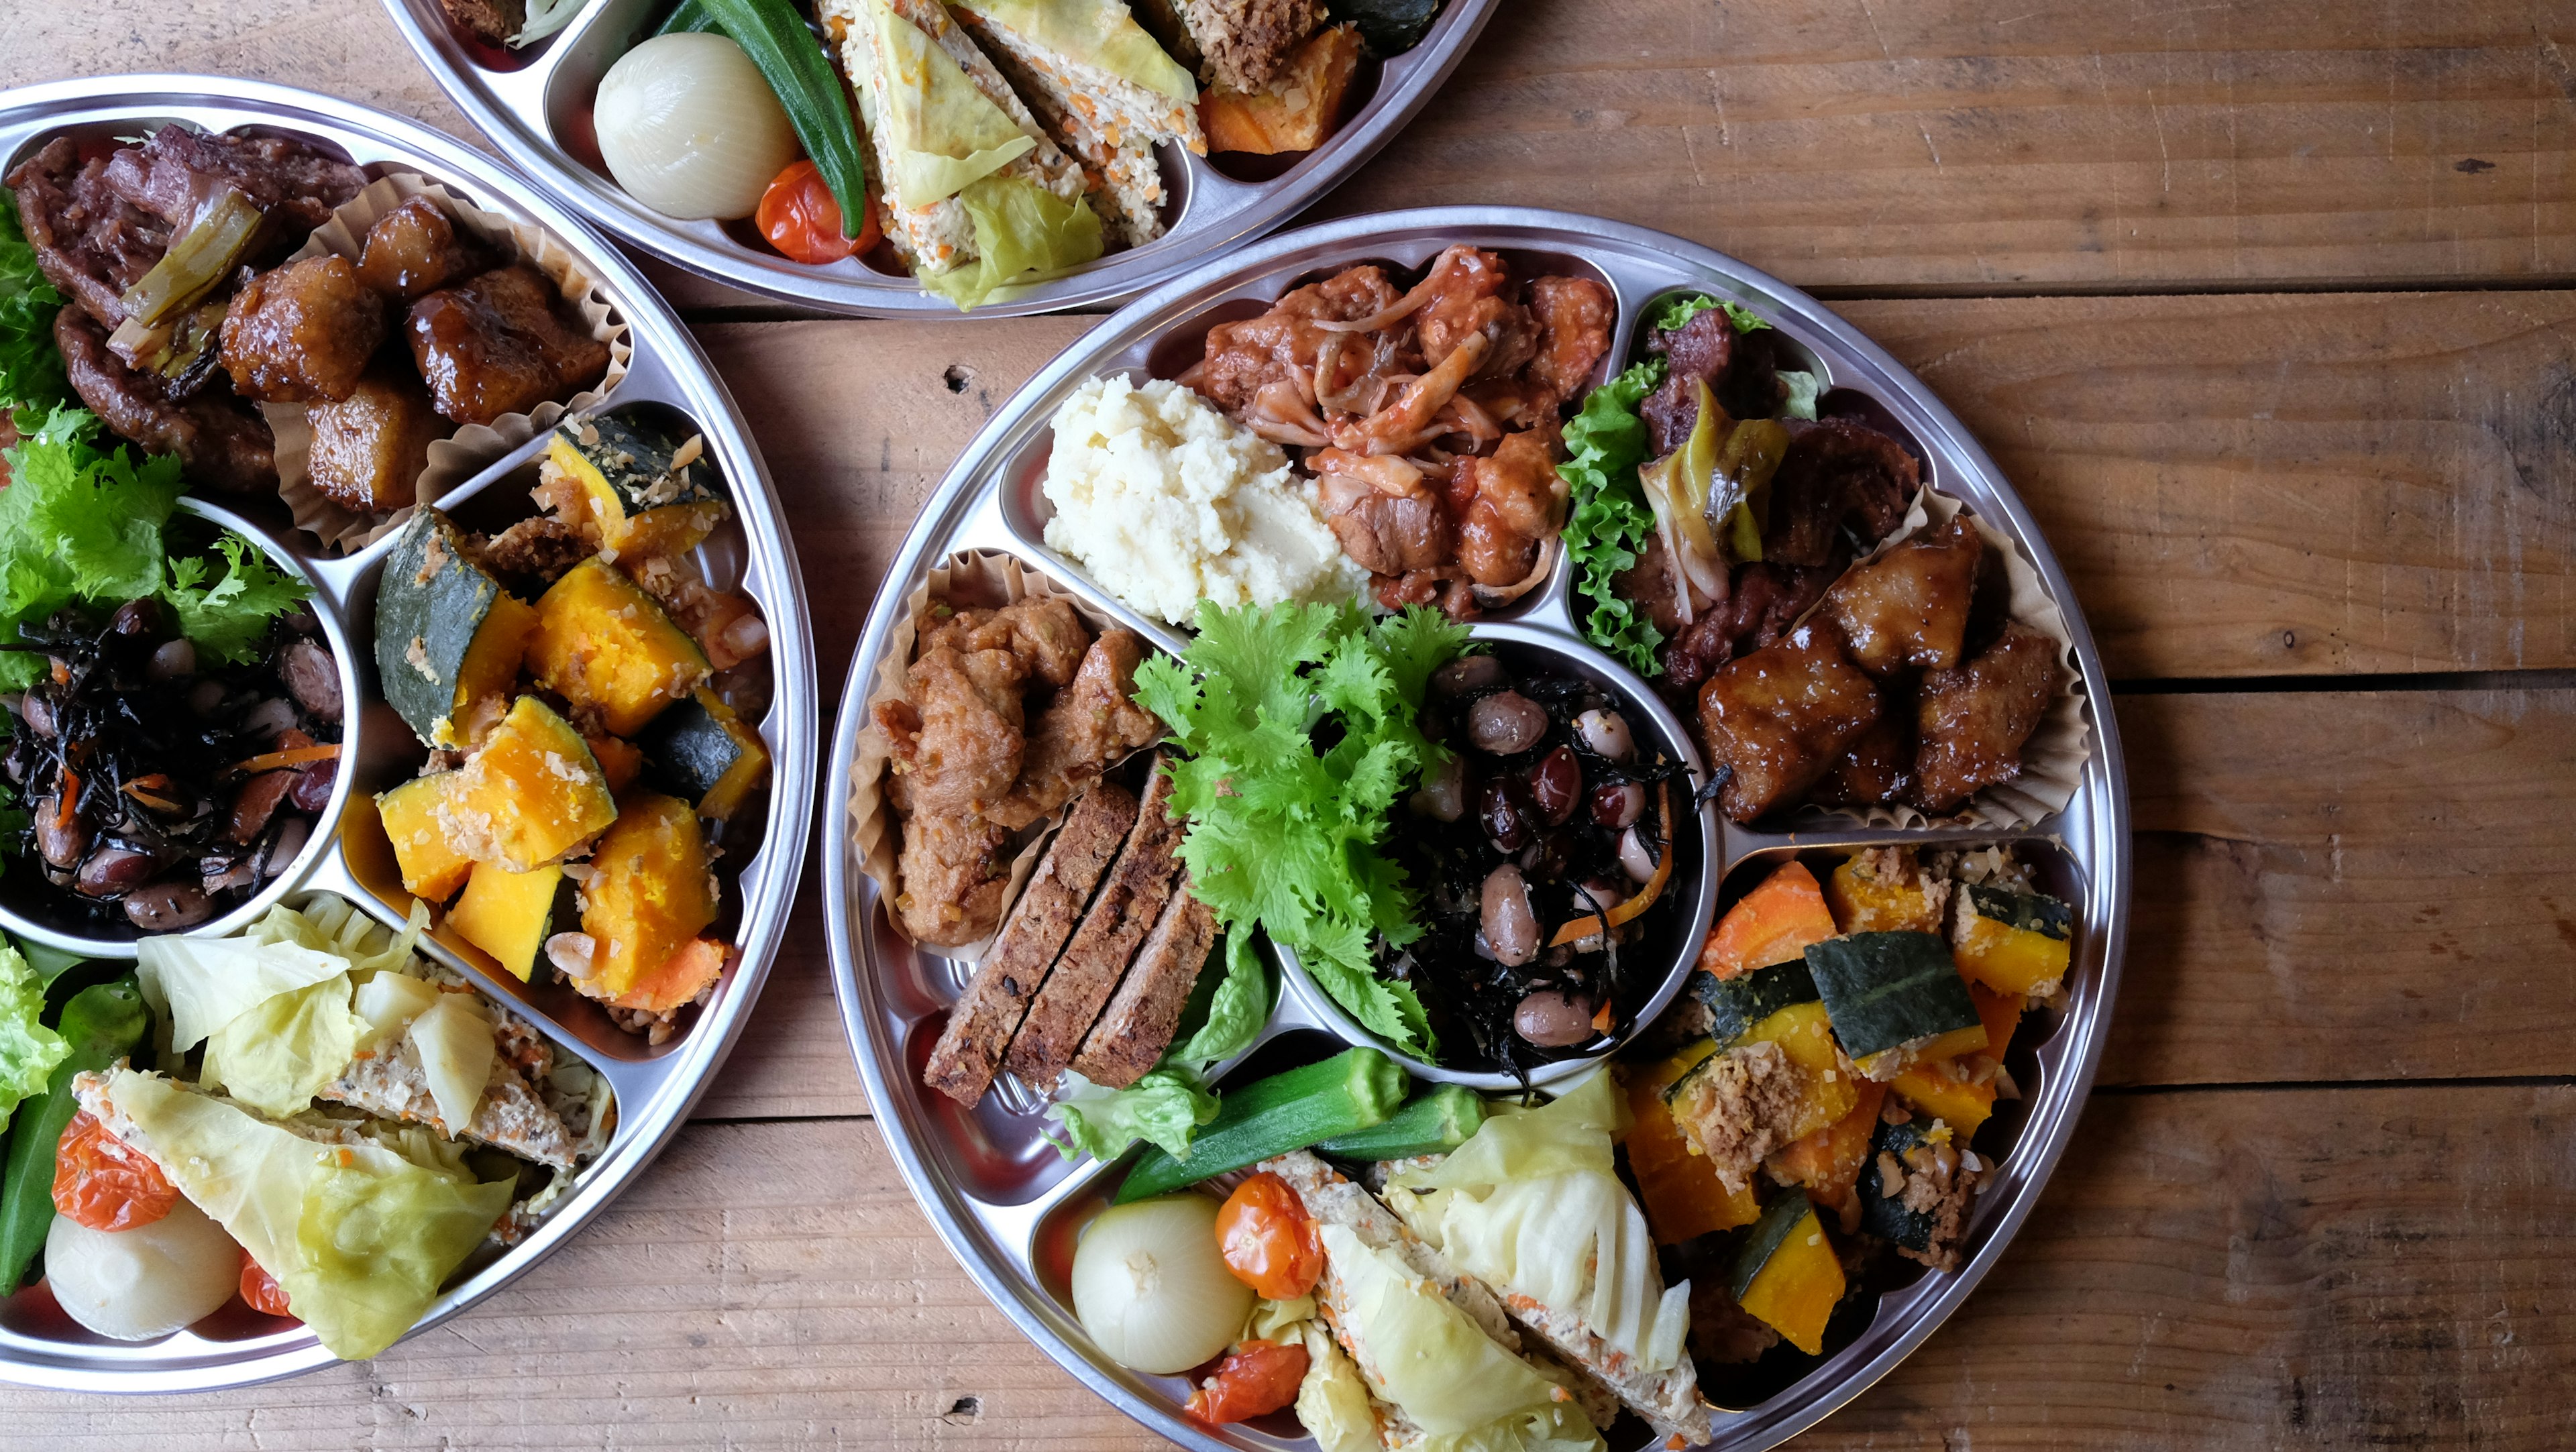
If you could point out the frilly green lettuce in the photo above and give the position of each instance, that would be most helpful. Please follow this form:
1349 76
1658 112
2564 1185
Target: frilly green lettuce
28 1050
361 1236
276 1056
1102 33
1164 1108
1022 232
942 131
1439 1368
1532 1205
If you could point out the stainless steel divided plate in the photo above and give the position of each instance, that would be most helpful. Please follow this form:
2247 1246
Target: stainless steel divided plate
1005 1202
347 853
535 105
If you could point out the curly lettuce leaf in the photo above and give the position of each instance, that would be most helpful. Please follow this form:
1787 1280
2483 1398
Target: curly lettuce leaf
229 618
1284 835
1163 1108
1022 232
28 1050
1607 528
31 367
1236 1004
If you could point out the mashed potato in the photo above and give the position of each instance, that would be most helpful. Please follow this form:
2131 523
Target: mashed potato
1167 502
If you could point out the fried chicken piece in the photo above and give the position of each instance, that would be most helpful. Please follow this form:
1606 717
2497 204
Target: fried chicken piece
302 333
965 741
500 343
1090 725
413 250
1574 319
1908 609
1045 634
954 870
1974 720
1838 474
1515 509
1777 720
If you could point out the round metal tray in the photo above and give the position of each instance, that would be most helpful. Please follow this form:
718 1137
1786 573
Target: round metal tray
1003 1201
654 1086
535 106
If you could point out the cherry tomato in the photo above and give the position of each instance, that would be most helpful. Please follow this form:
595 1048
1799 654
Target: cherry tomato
1259 1377
800 217
260 1290
101 1183
1267 1240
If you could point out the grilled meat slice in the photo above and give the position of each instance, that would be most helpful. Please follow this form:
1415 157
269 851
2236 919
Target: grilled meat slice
1138 1024
1130 902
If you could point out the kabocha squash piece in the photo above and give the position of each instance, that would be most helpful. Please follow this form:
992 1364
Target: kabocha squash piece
2012 942
1677 1187
648 895
646 494
704 753
1893 998
1736 1004
508 914
531 794
2000 1013
431 866
1918 1188
1805 1034
1788 1276
1827 1163
1947 1090
1886 890
604 644
680 979
1778 1081
620 760
1774 923
448 638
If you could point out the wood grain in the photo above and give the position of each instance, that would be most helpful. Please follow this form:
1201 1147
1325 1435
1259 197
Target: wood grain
2238 1269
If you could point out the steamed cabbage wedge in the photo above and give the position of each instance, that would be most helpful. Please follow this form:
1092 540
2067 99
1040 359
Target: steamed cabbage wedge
1022 231
1532 1205
1437 1368
361 1228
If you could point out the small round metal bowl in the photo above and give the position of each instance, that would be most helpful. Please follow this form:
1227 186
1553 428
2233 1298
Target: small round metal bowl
653 1084
1011 1210
535 105
33 910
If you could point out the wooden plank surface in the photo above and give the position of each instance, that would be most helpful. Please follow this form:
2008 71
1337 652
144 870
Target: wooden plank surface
1973 145
2234 1269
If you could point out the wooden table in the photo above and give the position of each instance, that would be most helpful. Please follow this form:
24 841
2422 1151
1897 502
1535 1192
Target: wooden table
2267 311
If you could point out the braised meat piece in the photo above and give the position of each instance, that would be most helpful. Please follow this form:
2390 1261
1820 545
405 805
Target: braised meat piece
1383 511
369 448
1763 601
1877 767
1908 609
1280 346
1574 315
1090 725
1974 720
91 243
1516 506
1699 351
1839 474
302 333
1777 720
220 441
1467 287
175 172
492 22
413 250
500 343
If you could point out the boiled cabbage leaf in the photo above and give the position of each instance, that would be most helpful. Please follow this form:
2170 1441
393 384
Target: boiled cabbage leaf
1332 1401
1022 232
942 131
360 1235
278 1055
1532 1205
198 985
1101 33
28 1050
451 1041
1439 1368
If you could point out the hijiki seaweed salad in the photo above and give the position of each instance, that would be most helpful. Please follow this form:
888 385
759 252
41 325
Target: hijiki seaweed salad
1483 850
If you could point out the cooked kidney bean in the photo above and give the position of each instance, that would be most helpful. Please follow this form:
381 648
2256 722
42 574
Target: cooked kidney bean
175 658
1500 815
166 907
1510 923
312 677
1634 856
262 723
257 802
61 842
136 617
1552 1019
1605 733
1616 804
1443 794
1556 784
111 870
1554 855
312 790
1469 673
1505 723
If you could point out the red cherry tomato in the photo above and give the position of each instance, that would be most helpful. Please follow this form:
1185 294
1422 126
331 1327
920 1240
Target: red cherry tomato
101 1183
800 217
1267 1240
1260 1377
260 1290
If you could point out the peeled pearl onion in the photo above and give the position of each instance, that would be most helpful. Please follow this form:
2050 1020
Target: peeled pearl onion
139 1284
690 128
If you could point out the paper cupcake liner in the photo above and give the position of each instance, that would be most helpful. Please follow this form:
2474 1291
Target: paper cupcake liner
464 453
969 579
2052 760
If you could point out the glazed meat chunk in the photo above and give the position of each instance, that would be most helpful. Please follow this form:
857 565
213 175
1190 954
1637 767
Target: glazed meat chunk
369 448
1779 719
1089 726
219 440
302 333
1574 319
1467 288
500 344
173 173
1515 507
413 250
1974 720
1280 346
1838 474
1877 767
1908 609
